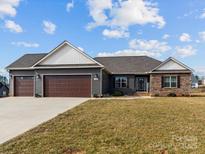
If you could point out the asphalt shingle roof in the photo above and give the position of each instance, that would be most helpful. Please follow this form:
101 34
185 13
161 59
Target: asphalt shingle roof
115 65
27 60
128 64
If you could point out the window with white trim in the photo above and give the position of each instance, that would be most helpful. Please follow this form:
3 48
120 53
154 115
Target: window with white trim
120 82
170 81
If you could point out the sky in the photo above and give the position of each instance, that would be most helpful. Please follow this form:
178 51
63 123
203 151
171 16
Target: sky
155 28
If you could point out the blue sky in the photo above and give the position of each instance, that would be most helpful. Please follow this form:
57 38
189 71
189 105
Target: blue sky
156 28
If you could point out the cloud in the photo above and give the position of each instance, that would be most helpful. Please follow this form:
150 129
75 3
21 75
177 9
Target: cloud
69 6
185 51
152 48
26 44
133 12
202 35
13 27
97 12
122 14
149 45
49 27
200 70
202 16
115 33
165 36
197 41
8 7
185 37
127 52
191 13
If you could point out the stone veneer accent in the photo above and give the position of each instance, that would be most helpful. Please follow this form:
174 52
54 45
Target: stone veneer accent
157 90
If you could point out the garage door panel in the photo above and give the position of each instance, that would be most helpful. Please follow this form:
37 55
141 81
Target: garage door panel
67 86
23 86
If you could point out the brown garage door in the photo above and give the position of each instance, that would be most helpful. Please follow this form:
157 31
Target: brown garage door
23 86
67 86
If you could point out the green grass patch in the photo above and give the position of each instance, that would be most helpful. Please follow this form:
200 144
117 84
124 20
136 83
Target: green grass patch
173 125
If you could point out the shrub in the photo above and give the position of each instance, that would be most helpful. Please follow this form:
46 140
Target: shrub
157 95
117 93
96 95
171 95
37 95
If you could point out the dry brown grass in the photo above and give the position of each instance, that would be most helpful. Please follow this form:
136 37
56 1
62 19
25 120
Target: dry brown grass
198 92
159 125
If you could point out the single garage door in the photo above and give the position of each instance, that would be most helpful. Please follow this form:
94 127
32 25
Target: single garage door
23 86
67 86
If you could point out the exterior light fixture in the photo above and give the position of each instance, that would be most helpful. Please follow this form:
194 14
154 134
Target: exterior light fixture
38 76
96 77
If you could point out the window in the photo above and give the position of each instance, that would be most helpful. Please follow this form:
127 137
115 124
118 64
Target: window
120 82
170 81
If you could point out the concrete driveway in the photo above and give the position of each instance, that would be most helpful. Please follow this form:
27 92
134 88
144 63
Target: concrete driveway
18 114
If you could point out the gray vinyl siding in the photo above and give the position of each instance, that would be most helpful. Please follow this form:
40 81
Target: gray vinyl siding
96 84
105 82
17 73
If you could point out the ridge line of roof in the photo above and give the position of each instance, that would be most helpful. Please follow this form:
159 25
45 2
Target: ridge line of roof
35 54
128 56
120 56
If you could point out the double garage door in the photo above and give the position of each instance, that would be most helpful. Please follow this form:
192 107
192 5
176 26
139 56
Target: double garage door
55 86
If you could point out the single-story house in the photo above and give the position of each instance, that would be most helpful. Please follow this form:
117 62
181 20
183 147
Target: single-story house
67 71
4 90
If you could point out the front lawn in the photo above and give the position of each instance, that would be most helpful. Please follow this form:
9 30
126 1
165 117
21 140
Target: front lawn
158 125
200 92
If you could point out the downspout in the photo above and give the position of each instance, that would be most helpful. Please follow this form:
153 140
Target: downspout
101 82
150 83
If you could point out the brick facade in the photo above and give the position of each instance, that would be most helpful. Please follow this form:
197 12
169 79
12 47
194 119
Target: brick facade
157 90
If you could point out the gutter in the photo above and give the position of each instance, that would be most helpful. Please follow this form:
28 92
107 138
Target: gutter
37 68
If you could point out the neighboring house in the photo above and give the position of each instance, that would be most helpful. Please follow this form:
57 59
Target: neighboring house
67 71
194 82
4 90
201 81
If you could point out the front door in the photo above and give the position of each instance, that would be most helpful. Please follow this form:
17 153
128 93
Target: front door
141 83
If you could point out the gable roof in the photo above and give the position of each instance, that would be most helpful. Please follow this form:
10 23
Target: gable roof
128 64
31 61
27 60
64 43
182 66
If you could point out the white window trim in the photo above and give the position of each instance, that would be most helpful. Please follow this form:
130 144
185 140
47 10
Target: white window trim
121 82
170 81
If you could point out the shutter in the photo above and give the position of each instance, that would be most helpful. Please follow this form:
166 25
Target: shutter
113 82
178 82
127 82
162 82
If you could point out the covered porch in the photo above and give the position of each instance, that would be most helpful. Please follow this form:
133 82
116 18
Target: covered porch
142 85
131 84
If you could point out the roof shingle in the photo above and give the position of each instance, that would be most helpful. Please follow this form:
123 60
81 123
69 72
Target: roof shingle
27 60
128 64
115 65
